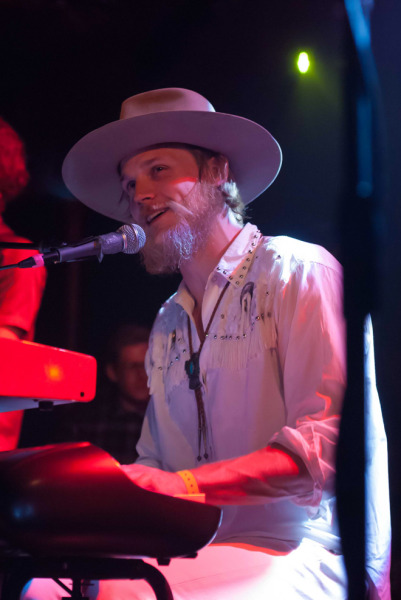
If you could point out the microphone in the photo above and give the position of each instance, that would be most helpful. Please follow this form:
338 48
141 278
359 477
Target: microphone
128 239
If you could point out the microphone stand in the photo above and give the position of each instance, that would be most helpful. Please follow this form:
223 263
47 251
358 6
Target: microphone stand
90 248
21 246
360 245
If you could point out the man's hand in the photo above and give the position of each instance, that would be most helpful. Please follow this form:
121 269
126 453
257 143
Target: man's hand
155 480
267 474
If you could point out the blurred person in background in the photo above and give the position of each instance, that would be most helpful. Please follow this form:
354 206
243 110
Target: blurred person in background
21 290
113 421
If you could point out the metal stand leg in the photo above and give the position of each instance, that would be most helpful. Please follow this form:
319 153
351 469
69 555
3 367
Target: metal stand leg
75 593
157 582
21 570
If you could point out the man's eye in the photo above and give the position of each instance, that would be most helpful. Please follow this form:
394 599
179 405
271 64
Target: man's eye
159 168
131 185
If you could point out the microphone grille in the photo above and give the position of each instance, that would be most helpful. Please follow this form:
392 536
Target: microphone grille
135 237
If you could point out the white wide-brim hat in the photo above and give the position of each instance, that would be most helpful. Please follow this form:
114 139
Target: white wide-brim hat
171 115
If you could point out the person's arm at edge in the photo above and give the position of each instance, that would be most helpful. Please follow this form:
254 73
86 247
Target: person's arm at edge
247 479
250 479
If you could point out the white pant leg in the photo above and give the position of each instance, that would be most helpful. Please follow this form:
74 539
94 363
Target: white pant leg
309 572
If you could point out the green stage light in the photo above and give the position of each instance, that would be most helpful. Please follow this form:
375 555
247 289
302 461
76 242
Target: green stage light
303 62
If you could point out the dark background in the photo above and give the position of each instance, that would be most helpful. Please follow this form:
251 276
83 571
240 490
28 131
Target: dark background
68 64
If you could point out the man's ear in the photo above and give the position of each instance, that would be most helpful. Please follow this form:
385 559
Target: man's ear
218 166
111 372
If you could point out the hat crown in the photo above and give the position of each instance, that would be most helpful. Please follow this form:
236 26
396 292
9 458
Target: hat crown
164 100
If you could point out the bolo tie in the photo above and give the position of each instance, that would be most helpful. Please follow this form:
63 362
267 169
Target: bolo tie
192 369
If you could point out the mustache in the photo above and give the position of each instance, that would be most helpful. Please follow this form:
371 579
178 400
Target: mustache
180 209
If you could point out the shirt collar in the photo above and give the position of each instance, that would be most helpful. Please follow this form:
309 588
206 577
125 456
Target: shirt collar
233 265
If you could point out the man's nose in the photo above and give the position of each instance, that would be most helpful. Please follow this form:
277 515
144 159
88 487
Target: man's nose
144 191
142 198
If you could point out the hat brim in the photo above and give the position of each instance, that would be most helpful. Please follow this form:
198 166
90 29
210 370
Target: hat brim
90 169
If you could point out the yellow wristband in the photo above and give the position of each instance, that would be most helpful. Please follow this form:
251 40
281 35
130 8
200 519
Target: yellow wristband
190 481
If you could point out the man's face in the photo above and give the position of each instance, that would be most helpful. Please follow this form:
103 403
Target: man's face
129 374
168 201
153 180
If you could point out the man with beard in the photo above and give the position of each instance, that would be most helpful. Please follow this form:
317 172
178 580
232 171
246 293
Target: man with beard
246 361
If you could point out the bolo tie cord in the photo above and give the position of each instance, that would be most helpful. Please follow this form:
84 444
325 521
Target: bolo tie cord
192 369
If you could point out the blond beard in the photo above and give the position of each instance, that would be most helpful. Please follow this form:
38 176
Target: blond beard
182 241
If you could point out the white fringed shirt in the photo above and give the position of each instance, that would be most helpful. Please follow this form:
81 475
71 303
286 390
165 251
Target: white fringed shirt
272 370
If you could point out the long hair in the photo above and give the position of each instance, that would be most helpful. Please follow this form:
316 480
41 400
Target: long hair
229 189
